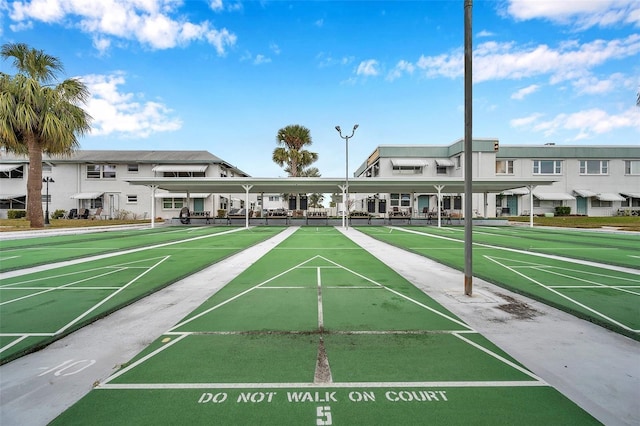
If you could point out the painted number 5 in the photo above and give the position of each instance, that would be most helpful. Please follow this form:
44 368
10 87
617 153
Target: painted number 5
324 416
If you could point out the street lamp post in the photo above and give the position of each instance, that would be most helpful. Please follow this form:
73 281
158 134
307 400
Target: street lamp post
47 180
345 198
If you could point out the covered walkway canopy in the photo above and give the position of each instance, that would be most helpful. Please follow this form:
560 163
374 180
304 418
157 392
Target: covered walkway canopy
306 185
303 185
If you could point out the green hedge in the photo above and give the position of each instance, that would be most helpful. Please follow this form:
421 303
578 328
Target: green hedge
16 214
563 211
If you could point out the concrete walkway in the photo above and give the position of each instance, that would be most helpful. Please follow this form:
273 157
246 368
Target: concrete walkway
597 369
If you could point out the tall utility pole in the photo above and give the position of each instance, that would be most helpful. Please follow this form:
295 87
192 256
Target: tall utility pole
468 150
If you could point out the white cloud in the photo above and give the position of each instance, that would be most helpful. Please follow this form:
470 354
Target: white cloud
154 23
525 91
485 33
582 14
261 59
368 68
588 123
216 5
525 121
123 114
401 68
497 61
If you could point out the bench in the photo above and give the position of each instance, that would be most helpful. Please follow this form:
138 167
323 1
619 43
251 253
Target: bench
186 216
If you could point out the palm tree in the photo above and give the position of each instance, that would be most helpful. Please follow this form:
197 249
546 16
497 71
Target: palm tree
38 116
291 151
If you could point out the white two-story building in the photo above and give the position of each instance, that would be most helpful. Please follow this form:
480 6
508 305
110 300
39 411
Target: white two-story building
590 180
97 180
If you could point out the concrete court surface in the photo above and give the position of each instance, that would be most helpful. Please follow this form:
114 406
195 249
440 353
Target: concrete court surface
597 369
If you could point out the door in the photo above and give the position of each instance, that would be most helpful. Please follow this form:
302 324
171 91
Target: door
512 204
198 204
423 203
581 205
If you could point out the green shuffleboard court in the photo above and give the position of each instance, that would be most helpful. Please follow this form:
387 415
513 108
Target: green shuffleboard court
595 276
40 305
319 332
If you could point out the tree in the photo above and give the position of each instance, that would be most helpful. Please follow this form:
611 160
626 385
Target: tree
291 151
38 116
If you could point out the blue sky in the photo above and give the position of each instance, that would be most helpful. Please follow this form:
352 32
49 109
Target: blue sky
224 76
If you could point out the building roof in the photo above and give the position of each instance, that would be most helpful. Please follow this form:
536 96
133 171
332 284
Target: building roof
128 156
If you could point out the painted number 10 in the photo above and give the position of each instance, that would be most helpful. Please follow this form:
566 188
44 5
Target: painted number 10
324 416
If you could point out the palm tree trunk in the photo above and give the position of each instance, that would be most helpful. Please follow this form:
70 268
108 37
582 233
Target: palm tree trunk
34 183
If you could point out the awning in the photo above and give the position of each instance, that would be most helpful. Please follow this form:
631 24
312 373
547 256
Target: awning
584 193
517 191
408 162
632 194
443 162
180 168
11 196
181 195
87 195
553 196
609 196
4 168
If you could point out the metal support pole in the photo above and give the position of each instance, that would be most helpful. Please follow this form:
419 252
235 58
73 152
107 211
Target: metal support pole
345 197
46 214
468 146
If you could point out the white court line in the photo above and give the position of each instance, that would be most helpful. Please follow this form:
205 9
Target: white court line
103 301
7 258
498 357
563 296
20 272
143 359
320 311
530 253
341 385
398 293
38 293
239 295
594 284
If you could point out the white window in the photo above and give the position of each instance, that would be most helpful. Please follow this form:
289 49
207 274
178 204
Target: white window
407 170
594 167
101 171
400 200
132 199
504 167
547 167
600 203
632 167
172 203
132 168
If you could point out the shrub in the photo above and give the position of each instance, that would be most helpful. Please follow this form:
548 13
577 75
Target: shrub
58 214
16 214
222 213
562 211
